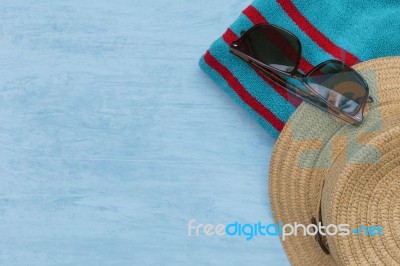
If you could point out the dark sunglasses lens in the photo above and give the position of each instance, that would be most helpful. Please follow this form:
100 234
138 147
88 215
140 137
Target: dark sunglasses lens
339 85
272 46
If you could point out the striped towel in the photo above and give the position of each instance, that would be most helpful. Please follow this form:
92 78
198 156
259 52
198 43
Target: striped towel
348 30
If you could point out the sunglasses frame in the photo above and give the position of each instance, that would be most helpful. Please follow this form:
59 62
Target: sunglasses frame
315 99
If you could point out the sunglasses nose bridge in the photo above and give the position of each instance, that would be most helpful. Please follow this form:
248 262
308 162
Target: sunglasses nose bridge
297 74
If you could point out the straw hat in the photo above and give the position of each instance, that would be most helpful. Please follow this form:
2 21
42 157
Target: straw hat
325 171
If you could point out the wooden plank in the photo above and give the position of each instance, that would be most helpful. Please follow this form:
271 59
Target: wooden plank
112 139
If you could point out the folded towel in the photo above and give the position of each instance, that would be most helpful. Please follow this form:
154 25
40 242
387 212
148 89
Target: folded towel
348 30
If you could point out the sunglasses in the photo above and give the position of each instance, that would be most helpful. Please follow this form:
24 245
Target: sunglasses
331 86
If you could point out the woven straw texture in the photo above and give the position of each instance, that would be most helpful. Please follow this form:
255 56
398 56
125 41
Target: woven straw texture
350 173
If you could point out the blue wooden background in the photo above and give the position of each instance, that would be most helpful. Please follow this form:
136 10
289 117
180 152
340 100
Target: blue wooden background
112 139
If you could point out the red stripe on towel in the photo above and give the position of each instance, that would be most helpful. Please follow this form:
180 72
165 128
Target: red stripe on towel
256 17
317 36
243 93
229 36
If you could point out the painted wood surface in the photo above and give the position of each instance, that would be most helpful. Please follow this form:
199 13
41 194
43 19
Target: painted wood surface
112 139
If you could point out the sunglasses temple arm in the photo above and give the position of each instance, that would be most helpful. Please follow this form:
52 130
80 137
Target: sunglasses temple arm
283 83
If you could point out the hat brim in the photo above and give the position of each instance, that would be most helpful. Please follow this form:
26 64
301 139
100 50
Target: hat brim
307 147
